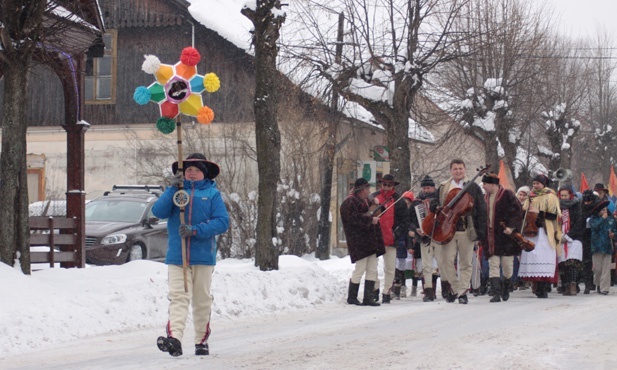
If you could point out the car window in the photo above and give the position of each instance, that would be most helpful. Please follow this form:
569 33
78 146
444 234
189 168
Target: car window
119 210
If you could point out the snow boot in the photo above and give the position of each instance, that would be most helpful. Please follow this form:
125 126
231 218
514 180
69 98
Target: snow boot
505 290
202 349
414 291
396 292
385 298
429 295
352 294
170 345
375 295
369 294
496 288
445 289
463 299
403 291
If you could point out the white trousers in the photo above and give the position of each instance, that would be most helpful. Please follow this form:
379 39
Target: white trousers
506 263
463 246
199 280
389 264
368 265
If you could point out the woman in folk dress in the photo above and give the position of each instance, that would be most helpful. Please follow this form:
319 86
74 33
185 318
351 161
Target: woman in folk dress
539 265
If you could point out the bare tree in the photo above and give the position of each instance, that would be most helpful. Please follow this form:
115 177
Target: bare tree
267 19
30 32
390 46
599 143
496 86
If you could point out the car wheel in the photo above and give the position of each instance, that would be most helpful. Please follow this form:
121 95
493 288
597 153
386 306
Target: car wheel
136 253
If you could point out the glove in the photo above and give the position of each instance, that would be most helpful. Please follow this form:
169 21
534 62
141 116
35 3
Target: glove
175 180
186 231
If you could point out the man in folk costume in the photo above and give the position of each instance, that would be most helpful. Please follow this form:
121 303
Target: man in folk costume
394 222
505 214
571 247
427 249
364 242
589 203
470 228
539 265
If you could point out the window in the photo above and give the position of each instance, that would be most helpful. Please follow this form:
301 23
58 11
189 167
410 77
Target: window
101 74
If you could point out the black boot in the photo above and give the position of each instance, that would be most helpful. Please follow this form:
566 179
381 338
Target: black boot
542 290
203 349
445 289
496 289
483 286
352 294
385 298
505 290
429 295
369 298
376 296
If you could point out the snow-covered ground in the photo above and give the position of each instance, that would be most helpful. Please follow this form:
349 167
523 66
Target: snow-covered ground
296 317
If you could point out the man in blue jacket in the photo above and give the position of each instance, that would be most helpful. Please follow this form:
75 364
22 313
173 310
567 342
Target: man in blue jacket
205 216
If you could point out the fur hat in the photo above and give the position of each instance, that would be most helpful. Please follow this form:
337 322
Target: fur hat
524 189
210 169
388 179
427 181
542 179
360 184
490 178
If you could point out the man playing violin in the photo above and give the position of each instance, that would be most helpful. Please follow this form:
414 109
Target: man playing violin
364 242
469 228
505 214
394 222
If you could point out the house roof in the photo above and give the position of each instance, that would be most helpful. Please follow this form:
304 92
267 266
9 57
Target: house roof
124 14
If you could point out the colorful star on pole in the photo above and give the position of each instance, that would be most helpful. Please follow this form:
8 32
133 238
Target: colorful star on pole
177 89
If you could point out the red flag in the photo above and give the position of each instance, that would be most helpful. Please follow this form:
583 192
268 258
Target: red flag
612 184
584 184
505 176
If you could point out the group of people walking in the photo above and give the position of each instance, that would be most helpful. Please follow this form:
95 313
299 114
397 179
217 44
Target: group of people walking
538 236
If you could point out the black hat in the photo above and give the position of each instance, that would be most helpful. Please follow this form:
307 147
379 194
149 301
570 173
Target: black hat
210 169
360 184
600 206
427 181
600 187
589 196
543 179
389 179
490 178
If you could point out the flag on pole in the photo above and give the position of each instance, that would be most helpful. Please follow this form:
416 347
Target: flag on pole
505 176
612 183
584 184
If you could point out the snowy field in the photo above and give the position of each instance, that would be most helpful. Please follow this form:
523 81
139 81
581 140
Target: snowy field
109 317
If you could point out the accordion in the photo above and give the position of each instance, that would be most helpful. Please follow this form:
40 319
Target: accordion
422 209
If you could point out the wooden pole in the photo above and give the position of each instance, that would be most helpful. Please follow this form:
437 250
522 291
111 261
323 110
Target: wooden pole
181 187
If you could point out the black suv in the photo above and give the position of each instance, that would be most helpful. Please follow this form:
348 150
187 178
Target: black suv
120 226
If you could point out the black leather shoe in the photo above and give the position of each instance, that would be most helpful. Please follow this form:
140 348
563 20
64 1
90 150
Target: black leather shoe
170 345
463 299
202 350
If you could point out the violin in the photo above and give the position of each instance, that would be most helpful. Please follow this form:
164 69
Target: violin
523 243
530 228
442 222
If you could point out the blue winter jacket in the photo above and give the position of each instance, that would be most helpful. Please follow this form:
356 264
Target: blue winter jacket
600 242
206 213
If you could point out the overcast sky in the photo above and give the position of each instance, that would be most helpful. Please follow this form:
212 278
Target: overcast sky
582 17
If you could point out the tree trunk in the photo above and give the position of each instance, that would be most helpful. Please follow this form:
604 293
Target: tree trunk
267 134
14 231
327 168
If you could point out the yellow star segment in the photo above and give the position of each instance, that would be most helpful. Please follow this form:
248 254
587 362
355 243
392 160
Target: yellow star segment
164 73
190 106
